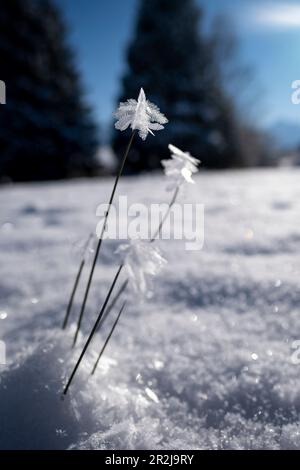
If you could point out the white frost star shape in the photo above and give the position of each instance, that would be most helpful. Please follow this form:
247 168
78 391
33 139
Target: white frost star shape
141 115
180 167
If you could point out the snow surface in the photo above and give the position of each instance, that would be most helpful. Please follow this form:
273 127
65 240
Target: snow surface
205 363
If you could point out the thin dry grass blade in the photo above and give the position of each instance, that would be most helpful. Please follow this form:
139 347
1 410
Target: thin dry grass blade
108 338
93 331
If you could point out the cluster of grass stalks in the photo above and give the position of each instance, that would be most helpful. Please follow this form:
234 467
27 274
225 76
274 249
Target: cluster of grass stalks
143 117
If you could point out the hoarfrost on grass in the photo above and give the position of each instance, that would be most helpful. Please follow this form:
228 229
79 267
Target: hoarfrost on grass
141 260
141 115
179 168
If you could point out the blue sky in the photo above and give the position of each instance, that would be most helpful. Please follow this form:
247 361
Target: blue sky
268 30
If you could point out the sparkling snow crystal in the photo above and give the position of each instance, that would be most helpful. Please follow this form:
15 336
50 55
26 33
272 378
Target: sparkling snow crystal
191 346
180 167
141 115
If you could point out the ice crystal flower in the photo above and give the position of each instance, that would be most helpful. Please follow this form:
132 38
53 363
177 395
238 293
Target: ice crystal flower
141 260
180 167
140 115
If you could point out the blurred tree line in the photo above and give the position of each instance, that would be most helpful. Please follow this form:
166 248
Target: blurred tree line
46 129
184 70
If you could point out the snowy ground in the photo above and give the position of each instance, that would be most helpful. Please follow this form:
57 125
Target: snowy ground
204 364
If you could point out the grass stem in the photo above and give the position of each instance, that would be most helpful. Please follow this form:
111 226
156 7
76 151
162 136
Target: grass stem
108 338
94 329
113 303
76 283
124 285
172 202
70 304
100 239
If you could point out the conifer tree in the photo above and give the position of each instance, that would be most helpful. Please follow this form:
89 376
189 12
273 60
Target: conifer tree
177 65
46 129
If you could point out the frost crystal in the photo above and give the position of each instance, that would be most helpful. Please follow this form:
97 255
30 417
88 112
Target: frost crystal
141 260
180 167
141 115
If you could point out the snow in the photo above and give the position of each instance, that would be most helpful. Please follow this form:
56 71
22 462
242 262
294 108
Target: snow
205 363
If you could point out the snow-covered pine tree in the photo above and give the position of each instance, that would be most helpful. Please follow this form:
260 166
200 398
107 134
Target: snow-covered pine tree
176 63
46 129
